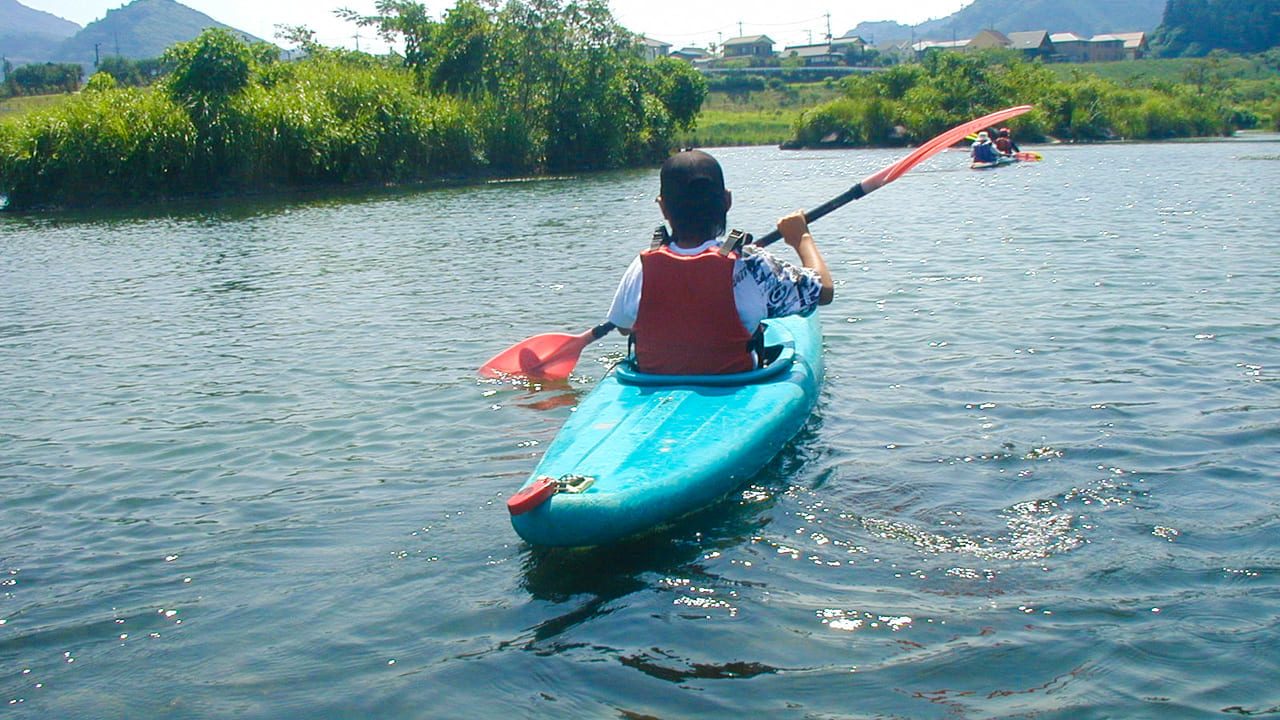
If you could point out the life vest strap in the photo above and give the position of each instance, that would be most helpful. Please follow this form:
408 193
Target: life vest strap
660 237
734 241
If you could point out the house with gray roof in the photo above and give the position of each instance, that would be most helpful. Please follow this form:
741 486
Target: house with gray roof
654 49
749 46
821 55
1032 43
1134 47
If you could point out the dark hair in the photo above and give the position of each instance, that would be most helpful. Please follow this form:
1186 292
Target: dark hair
692 188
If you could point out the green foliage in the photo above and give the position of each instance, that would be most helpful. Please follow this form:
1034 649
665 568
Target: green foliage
211 68
539 85
99 82
43 78
134 73
679 88
462 59
847 121
911 103
563 86
98 147
1196 27
740 127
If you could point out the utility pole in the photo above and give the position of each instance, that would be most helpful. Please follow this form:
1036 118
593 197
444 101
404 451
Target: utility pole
828 26
739 28
95 54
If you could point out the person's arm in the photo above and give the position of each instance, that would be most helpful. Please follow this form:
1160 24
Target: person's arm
626 300
795 232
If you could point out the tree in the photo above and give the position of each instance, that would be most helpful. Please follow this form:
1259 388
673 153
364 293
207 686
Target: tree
681 90
209 69
460 62
562 85
401 21
44 78
1196 27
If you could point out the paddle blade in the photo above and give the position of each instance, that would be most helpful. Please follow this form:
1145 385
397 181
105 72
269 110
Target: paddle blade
1028 156
894 171
551 356
941 142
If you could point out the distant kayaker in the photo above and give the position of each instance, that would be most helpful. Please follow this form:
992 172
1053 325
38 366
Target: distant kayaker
1004 142
983 150
692 305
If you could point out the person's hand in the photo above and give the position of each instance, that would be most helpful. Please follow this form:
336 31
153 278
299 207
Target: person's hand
794 228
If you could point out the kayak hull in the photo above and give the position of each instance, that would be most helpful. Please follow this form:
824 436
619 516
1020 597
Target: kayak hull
658 448
1003 160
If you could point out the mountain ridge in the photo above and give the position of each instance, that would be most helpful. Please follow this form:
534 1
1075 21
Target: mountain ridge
140 30
1082 17
27 33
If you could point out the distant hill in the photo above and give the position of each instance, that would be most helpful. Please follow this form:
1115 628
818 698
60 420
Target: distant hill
1082 17
140 30
1195 27
28 35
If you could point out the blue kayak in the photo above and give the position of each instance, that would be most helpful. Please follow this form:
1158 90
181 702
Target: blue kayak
643 450
998 162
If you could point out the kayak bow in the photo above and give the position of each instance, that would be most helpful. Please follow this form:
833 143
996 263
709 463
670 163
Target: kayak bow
643 450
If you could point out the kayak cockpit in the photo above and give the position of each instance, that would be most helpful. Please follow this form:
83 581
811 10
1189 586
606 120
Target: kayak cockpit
776 338
628 375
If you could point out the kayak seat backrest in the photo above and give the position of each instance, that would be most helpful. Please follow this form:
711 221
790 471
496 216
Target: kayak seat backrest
628 375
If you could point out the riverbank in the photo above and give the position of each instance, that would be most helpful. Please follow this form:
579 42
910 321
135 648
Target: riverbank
232 119
338 121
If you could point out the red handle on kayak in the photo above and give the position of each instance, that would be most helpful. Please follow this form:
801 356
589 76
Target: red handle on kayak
531 496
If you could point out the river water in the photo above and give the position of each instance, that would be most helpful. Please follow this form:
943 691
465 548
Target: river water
248 471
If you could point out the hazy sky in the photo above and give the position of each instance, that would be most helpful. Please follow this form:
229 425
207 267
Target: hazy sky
679 22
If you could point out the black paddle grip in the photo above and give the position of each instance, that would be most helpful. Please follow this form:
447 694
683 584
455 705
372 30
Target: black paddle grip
838 201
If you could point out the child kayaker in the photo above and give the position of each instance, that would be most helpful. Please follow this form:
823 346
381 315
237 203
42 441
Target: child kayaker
1005 143
692 305
983 150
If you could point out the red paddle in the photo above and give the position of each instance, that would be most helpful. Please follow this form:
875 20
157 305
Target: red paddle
896 170
552 356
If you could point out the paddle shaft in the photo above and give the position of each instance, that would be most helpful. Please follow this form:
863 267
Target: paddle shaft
834 203
575 344
891 173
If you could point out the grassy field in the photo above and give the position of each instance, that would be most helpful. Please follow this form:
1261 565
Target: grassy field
1174 70
15 106
764 117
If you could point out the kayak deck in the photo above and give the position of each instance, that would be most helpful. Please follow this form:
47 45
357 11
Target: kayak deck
652 449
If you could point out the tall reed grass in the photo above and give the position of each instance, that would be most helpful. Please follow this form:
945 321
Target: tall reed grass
322 124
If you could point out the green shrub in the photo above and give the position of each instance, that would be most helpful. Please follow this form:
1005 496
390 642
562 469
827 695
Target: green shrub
949 88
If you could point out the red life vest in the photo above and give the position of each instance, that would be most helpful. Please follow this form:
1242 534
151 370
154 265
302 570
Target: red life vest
688 322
